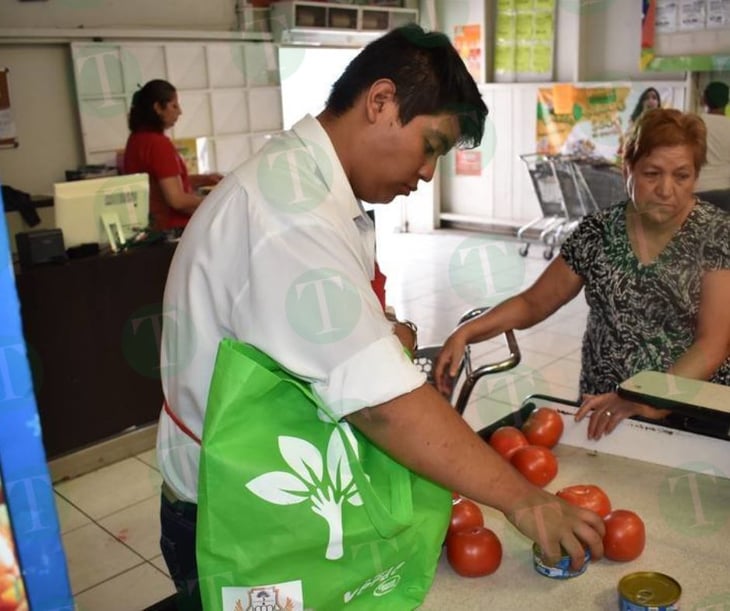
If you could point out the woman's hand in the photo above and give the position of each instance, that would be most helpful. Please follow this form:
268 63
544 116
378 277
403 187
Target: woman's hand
608 409
448 361
214 178
205 180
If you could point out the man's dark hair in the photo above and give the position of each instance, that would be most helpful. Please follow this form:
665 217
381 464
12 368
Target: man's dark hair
142 115
716 95
429 75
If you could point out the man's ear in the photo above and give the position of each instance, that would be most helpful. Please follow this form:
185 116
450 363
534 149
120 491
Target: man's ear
380 95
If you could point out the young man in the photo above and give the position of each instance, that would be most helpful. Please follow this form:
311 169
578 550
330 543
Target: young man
281 256
714 183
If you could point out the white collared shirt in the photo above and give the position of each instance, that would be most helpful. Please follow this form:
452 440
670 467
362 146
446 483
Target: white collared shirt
280 255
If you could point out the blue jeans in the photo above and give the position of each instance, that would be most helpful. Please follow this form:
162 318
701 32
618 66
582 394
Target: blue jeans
177 541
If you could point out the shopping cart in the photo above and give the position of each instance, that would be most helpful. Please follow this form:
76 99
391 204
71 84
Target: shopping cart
604 180
467 375
564 199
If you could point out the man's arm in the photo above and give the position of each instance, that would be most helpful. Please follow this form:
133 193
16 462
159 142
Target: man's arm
423 432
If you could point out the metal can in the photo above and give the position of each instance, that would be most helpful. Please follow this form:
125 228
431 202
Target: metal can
562 569
648 591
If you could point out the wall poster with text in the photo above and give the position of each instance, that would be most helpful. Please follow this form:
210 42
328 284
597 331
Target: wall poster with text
685 35
468 42
8 135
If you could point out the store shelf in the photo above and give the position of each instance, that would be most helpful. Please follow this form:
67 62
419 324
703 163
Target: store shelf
319 22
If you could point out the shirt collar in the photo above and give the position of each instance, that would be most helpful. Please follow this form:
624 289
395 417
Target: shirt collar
310 131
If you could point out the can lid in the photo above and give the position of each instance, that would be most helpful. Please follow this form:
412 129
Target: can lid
649 589
537 550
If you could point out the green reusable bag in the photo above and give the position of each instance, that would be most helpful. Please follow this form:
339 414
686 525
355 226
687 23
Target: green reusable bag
299 511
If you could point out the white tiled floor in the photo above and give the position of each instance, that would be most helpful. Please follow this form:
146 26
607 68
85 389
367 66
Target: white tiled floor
109 518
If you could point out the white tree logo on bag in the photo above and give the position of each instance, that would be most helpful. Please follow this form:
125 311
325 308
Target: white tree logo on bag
307 482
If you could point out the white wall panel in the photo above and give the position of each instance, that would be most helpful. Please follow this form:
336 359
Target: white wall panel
99 71
500 194
187 66
226 65
231 151
195 120
265 108
142 63
257 142
104 120
261 64
230 111
225 94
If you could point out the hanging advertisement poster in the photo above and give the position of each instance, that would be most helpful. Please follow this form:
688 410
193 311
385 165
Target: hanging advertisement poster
588 121
468 162
468 42
580 120
524 40
8 137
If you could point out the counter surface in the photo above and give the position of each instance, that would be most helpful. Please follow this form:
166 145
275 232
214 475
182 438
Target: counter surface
687 519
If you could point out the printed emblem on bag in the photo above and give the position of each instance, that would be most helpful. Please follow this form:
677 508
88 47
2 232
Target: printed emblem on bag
265 599
286 596
327 492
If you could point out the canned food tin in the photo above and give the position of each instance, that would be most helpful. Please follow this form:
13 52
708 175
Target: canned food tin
648 591
562 569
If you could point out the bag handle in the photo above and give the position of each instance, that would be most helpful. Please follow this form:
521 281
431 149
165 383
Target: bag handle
387 521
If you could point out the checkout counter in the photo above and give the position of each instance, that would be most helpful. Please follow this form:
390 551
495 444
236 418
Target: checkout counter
92 326
676 479
92 323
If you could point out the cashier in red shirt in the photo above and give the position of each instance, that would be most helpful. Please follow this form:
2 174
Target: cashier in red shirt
173 194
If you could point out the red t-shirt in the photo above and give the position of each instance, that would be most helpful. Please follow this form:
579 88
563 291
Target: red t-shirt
153 153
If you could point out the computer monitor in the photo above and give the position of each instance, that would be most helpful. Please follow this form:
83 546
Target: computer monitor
94 210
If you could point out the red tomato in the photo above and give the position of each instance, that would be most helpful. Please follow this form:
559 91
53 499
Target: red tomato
587 496
465 514
543 427
474 552
536 463
506 440
625 536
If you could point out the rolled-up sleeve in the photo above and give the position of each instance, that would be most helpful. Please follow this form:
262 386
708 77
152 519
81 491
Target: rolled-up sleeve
378 373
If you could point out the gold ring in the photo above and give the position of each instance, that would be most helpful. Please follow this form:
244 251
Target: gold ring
607 413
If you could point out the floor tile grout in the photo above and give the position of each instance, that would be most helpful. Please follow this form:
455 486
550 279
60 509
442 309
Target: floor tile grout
111 578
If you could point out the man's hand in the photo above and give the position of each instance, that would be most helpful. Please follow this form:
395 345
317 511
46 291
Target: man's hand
406 334
559 527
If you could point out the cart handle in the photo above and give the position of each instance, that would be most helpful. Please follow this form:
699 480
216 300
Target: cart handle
425 357
473 375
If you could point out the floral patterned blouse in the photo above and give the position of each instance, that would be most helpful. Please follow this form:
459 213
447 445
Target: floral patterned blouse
643 316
